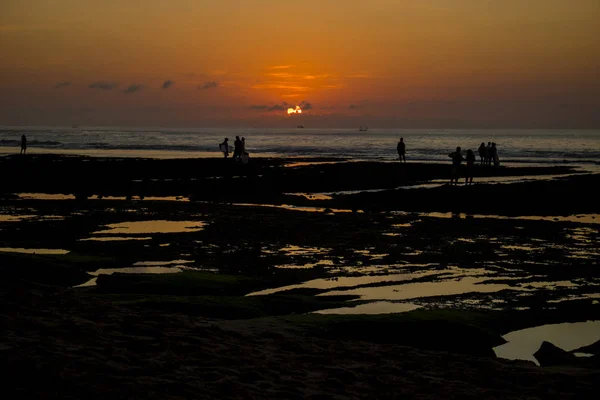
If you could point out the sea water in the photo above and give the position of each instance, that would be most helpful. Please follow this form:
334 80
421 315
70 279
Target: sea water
581 147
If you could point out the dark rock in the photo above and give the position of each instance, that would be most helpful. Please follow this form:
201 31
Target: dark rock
549 354
593 348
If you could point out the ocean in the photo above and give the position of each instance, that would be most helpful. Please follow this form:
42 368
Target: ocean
579 147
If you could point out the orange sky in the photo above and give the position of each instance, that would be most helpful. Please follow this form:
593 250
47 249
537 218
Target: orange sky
387 63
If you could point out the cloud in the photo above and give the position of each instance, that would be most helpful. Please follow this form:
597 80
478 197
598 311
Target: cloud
305 106
274 107
352 107
278 107
208 85
62 85
168 84
103 85
133 88
281 66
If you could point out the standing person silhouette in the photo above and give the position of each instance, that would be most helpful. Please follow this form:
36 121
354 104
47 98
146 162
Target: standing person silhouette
482 153
237 149
245 155
457 160
494 155
23 144
488 154
224 147
401 150
470 166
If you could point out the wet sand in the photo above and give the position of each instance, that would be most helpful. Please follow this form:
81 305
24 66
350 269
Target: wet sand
196 332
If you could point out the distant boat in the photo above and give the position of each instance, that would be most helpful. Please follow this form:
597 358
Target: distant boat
300 126
363 128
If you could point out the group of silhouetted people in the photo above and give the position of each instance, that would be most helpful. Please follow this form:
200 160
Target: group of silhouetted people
488 154
239 149
457 159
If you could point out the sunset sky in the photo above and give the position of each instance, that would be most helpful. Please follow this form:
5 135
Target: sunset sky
382 63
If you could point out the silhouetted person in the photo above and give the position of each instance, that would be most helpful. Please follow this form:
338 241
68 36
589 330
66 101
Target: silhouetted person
470 166
23 144
237 149
401 150
482 153
494 155
457 160
245 156
224 147
488 154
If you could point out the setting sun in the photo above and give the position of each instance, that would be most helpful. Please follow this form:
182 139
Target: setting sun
296 110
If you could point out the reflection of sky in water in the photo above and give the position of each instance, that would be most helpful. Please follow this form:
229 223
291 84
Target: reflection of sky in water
136 270
568 336
17 218
156 226
423 289
151 263
33 251
114 238
292 250
376 307
45 196
14 218
305 266
348 281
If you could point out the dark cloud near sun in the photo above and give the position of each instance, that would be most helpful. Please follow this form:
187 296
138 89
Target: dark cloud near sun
103 85
305 106
60 85
168 84
278 107
133 88
208 85
274 107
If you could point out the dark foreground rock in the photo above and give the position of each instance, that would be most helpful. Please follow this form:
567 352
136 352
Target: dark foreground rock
58 344
550 355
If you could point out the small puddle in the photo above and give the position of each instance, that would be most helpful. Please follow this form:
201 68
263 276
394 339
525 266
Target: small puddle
520 248
17 218
376 307
156 226
418 290
114 238
305 266
153 263
14 218
373 256
292 250
311 196
33 251
45 196
522 344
